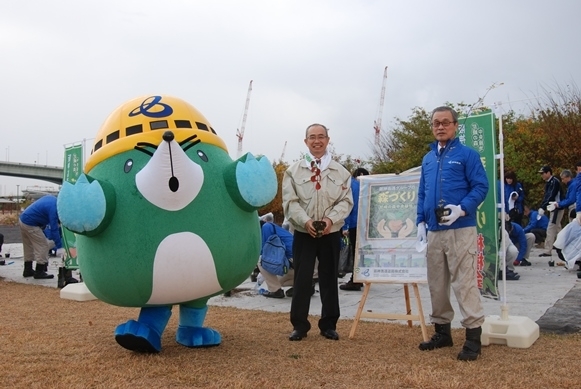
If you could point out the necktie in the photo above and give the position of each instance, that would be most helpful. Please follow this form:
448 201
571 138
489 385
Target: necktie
318 161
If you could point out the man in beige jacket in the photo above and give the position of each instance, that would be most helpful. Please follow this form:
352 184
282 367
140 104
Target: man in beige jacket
316 199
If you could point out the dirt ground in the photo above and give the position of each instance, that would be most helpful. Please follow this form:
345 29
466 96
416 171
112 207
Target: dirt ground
50 342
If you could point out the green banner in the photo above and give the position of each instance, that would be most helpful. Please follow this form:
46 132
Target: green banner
73 167
477 131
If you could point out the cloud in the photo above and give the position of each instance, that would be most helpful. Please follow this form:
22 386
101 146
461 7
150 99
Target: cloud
67 64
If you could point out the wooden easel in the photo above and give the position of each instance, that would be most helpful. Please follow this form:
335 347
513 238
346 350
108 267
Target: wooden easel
394 316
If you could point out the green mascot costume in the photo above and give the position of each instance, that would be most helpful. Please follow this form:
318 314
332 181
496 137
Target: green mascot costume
164 216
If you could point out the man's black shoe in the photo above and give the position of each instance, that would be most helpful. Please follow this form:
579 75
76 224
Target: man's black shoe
27 273
28 270
330 334
472 346
545 255
297 335
351 286
510 275
442 338
524 262
42 275
279 294
254 274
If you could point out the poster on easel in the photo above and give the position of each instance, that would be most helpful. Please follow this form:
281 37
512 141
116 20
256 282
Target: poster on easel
386 230
72 169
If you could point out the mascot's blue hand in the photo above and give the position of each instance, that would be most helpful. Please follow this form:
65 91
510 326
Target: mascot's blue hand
85 207
251 182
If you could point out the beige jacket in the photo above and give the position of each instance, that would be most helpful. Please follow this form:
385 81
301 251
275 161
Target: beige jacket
301 201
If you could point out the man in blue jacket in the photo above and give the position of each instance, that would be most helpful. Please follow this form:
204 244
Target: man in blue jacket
523 242
35 218
453 184
537 225
571 196
273 282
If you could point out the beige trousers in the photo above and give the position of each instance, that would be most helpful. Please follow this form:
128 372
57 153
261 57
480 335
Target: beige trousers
274 282
35 245
451 258
553 229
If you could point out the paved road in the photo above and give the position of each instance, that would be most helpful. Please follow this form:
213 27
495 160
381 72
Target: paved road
11 234
551 296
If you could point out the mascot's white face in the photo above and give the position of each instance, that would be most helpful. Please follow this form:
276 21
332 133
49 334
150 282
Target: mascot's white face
169 160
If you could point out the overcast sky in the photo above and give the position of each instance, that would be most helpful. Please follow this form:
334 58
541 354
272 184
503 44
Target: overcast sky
65 65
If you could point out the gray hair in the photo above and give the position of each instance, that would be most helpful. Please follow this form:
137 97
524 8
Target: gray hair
445 108
314 125
268 217
566 173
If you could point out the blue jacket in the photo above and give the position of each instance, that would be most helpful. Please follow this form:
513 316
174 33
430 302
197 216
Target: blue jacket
465 183
571 196
286 237
42 213
578 193
351 221
517 236
542 223
508 189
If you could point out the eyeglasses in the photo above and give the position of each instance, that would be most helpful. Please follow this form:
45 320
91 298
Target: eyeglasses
316 137
445 123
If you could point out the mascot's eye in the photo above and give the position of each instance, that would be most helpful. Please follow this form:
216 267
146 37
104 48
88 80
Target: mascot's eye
202 156
128 166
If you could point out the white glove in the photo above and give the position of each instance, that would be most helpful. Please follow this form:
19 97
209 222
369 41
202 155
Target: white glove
422 240
61 253
552 205
541 211
455 212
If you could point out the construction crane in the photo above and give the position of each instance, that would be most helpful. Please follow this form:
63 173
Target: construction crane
283 151
377 122
240 131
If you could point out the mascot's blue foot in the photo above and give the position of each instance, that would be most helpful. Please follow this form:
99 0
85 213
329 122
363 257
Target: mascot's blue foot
138 337
198 337
144 335
191 332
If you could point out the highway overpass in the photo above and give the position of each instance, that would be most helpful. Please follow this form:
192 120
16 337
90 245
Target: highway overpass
53 174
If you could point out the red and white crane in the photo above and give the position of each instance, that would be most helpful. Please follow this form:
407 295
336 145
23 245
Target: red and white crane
240 131
377 122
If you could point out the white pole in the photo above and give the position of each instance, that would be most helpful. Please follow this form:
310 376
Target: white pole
504 307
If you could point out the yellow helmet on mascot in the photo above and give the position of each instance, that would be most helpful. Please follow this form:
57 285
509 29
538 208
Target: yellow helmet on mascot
139 120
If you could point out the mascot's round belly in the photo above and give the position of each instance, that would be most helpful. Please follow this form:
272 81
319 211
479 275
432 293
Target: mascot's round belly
183 270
